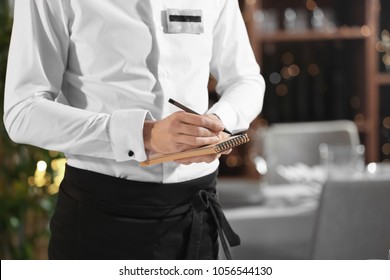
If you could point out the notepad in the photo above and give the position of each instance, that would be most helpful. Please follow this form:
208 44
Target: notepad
224 145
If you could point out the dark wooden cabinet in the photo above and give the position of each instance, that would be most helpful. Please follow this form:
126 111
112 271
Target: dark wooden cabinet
320 61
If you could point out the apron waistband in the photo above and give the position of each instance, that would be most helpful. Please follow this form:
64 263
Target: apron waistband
153 200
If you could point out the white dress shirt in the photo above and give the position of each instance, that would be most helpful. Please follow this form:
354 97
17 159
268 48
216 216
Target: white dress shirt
84 75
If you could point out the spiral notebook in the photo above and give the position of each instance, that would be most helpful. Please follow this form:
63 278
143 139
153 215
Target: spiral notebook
219 147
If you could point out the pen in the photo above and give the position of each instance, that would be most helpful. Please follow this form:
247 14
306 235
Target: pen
188 110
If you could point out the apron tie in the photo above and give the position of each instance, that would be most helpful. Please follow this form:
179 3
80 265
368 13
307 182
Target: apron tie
202 201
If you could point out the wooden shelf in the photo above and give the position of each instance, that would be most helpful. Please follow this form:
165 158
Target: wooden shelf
359 29
343 33
383 79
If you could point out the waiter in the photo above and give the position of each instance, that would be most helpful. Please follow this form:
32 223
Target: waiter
92 79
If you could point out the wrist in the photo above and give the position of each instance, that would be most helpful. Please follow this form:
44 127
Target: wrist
147 134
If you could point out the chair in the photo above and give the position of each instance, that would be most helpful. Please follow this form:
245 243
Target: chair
271 236
353 220
290 143
280 227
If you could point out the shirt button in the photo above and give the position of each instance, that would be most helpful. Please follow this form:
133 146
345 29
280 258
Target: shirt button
130 153
164 74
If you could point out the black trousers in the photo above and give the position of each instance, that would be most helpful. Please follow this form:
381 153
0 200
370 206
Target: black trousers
103 217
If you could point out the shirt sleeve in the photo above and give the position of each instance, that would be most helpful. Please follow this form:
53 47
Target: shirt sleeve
36 64
234 66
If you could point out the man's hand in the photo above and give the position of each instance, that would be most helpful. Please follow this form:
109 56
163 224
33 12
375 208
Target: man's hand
206 158
182 131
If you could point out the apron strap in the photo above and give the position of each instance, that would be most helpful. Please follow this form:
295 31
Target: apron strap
202 201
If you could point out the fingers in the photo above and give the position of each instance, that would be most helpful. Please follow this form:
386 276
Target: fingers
227 152
206 158
195 130
194 141
205 122
181 131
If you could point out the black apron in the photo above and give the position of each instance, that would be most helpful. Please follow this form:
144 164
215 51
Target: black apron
103 217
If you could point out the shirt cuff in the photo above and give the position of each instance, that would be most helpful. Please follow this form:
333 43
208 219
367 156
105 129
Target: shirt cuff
126 134
226 114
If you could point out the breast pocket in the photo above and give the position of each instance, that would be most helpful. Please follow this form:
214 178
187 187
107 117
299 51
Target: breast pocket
189 21
189 33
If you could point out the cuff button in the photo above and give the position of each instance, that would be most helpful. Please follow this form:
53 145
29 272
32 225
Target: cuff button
130 153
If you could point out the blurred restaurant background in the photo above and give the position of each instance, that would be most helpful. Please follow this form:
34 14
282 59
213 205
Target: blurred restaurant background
314 182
